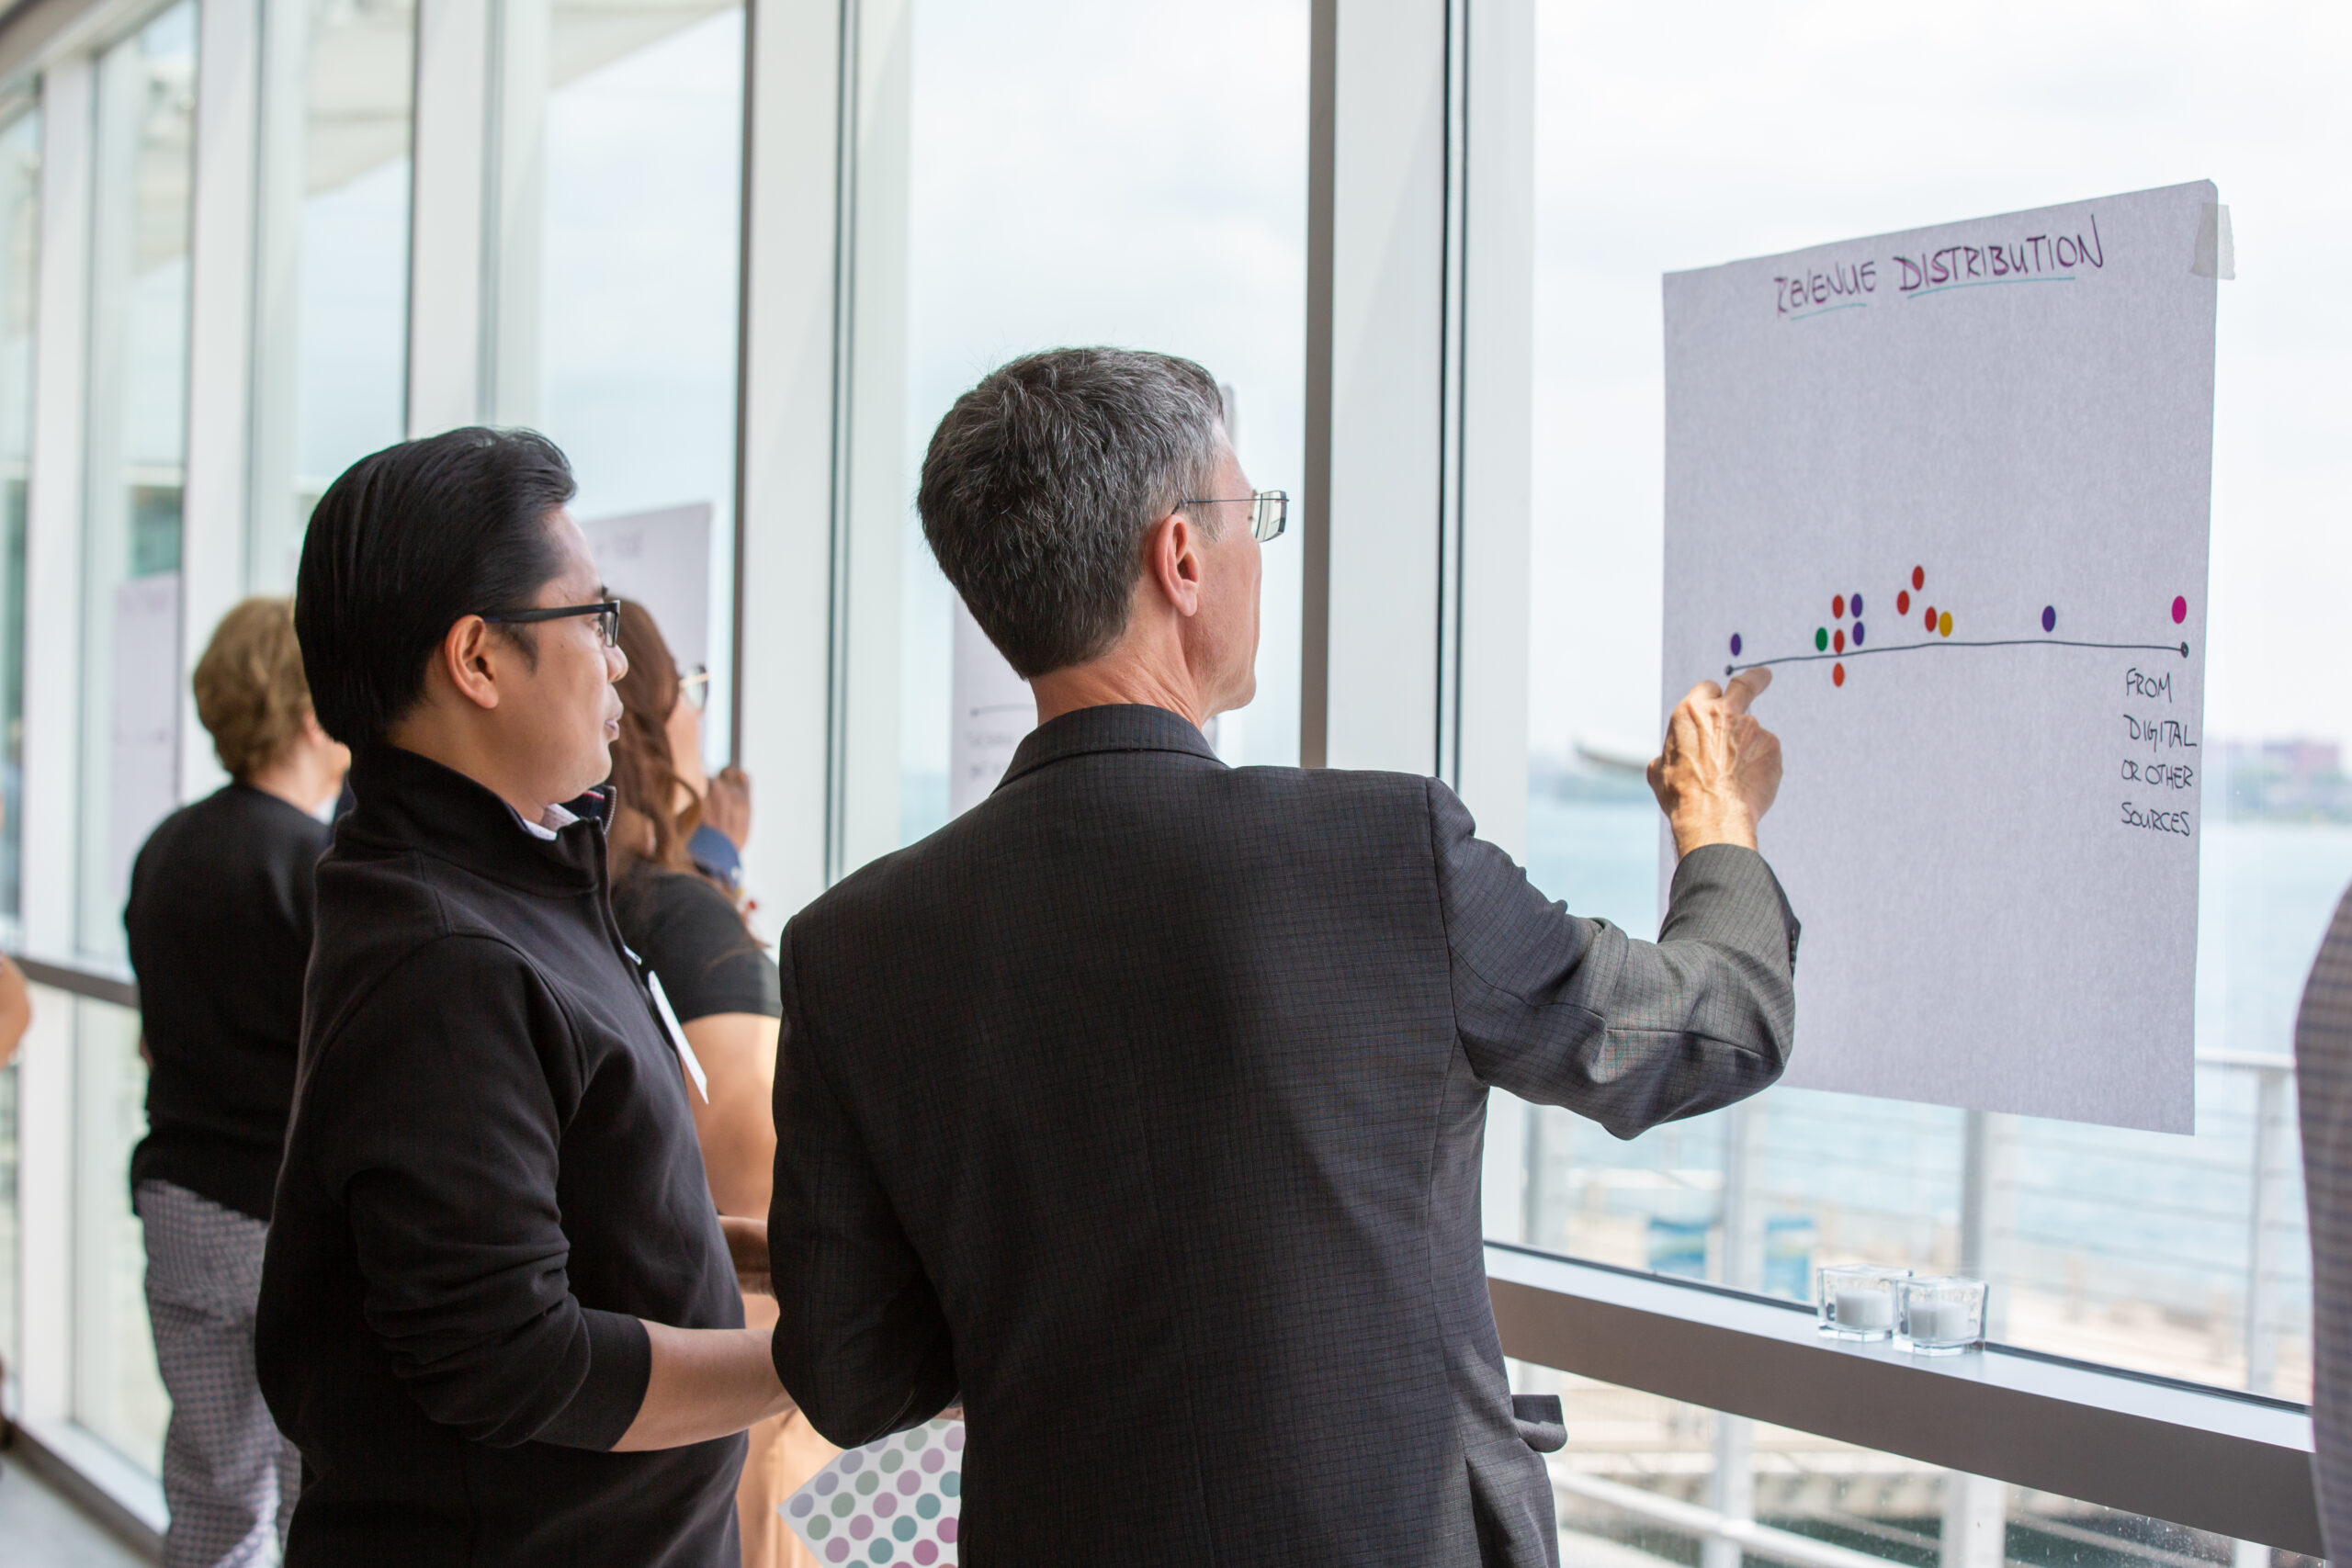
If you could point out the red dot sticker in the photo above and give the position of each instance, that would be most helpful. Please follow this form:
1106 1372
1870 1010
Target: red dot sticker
1931 617
1838 642
1837 675
1918 577
1903 603
1838 607
2179 611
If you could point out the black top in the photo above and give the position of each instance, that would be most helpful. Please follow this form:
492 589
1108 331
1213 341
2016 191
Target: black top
1143 1104
490 1176
220 925
688 933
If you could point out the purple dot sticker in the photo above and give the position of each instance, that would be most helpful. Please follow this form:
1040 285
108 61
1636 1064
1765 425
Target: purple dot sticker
2050 617
2179 611
1735 645
954 1437
826 1483
1854 602
837 1551
800 1506
932 1460
850 1462
1858 633
908 1483
861 1527
885 1505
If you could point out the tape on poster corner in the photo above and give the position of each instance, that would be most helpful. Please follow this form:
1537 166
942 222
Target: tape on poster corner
2216 255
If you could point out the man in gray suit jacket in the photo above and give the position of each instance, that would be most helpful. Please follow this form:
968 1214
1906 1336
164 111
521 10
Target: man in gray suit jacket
1140 1107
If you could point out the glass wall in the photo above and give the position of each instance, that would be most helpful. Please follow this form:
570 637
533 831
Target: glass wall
1640 1484
1669 141
117 1393
137 443
1084 174
617 315
331 280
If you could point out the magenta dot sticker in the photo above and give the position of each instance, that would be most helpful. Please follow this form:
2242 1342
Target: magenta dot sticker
2179 611
861 1525
926 1552
908 1481
947 1530
934 1460
955 1435
837 1551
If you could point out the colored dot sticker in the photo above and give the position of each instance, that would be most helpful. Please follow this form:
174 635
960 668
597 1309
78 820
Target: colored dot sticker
1918 578
2050 617
1858 633
1821 638
1903 603
2179 611
1735 645
1931 617
837 1551
926 1553
1838 607
1943 623
1854 602
1837 675
1839 641
879 1552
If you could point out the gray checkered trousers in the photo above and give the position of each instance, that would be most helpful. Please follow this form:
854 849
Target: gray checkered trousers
229 1478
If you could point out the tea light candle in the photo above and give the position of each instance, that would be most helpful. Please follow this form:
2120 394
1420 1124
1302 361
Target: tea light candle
1865 1309
1939 1321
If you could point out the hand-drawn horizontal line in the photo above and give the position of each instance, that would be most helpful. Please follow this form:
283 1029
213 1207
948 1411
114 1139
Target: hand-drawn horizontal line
1986 283
1849 305
2179 647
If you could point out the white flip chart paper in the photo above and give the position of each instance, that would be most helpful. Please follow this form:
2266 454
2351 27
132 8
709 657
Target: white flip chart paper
1953 486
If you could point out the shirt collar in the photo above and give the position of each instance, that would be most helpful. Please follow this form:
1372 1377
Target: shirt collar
549 824
1112 727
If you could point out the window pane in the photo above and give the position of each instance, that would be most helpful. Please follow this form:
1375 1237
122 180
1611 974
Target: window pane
329 376
1125 174
618 329
1643 1483
117 1393
1682 139
19 252
137 433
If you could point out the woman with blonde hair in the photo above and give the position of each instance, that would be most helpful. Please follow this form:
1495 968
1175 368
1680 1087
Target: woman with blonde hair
723 988
220 922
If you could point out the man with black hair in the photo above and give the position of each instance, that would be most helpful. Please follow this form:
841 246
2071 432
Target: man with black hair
499 1313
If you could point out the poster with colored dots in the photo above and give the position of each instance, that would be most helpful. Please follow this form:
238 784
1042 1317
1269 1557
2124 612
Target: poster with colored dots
894 1502
1953 488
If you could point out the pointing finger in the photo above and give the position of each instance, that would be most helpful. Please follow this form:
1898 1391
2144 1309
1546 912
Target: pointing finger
1746 687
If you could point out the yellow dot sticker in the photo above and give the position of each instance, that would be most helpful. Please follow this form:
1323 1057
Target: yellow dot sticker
1943 624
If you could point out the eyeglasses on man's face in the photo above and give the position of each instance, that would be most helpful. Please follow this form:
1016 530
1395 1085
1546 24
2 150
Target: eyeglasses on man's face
1269 510
606 611
693 687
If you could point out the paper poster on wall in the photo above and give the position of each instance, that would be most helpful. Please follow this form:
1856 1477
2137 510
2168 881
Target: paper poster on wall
1953 486
143 738
662 559
990 712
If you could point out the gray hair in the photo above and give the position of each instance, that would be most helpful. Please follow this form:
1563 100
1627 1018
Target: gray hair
1041 481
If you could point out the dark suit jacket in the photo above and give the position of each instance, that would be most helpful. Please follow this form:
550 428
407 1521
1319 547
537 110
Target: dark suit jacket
1142 1104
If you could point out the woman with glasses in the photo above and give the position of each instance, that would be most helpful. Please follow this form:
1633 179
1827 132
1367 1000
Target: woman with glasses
722 985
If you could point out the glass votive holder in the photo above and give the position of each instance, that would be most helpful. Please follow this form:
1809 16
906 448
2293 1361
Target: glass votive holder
1942 1314
1858 1300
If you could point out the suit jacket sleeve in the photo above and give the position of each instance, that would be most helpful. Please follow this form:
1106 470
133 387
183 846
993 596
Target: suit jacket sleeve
860 1339
1570 1011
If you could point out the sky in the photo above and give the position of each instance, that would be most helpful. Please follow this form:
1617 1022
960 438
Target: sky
1675 137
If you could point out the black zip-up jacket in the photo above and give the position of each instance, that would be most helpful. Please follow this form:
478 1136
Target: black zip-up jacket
490 1176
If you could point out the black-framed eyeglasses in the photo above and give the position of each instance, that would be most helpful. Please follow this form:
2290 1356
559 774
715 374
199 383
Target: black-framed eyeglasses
606 611
1269 510
693 687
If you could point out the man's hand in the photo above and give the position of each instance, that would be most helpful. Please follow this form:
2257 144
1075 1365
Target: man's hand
1720 769
728 805
746 1245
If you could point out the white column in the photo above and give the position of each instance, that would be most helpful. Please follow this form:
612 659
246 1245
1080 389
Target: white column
1975 1527
45 1208
221 282
446 259
520 65
54 533
793 174
872 513
273 524
1376 301
1420 280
